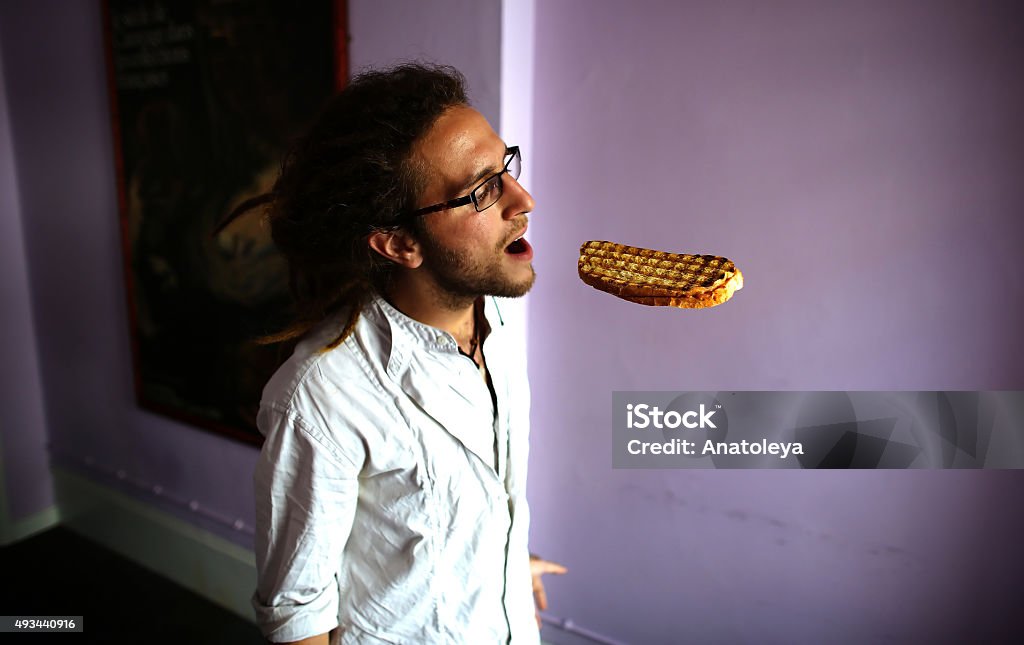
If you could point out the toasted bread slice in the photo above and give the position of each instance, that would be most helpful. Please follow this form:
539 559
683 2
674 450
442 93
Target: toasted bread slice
658 278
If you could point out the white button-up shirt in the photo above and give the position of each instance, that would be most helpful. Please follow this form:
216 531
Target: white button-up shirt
390 495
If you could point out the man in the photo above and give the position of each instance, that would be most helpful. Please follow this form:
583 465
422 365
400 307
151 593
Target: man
390 490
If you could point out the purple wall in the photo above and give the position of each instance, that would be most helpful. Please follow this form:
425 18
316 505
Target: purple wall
463 33
23 429
861 163
59 114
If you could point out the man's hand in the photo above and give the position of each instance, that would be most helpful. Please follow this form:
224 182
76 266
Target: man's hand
538 567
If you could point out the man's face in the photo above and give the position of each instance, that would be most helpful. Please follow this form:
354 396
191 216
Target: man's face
468 253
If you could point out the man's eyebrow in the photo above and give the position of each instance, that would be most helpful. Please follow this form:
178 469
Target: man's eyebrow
487 171
478 177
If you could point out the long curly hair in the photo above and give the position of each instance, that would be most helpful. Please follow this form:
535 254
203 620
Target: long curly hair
352 174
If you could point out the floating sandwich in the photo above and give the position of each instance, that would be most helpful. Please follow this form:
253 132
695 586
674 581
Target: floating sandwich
658 278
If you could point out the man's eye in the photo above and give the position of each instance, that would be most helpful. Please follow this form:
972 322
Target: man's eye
487 190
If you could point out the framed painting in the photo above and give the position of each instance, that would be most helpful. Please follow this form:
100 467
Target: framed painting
206 96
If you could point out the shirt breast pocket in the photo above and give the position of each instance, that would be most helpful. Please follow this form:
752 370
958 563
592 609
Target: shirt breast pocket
470 499
399 500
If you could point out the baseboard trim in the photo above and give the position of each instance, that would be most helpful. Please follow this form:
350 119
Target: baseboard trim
11 532
220 571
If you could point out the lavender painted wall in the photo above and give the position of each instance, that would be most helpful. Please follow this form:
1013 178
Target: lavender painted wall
56 88
23 459
861 163
463 33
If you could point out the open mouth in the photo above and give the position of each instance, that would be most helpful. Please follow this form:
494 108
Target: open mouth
517 247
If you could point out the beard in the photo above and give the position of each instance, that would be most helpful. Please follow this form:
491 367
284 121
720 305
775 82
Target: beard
461 278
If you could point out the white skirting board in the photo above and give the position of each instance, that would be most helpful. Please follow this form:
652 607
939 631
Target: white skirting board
11 532
220 571
14 531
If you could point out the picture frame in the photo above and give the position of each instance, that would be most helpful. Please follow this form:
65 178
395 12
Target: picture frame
206 97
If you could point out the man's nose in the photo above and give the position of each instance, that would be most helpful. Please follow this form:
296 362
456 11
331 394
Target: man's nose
519 199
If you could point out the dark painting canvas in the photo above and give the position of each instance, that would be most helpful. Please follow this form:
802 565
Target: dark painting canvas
206 97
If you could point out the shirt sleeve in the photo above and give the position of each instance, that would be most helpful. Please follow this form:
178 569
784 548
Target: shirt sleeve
306 490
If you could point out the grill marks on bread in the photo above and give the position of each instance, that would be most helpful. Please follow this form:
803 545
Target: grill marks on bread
658 278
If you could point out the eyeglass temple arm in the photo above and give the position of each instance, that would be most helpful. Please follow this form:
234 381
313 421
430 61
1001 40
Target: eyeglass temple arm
451 203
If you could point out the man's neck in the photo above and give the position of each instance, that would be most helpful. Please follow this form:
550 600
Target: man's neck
424 305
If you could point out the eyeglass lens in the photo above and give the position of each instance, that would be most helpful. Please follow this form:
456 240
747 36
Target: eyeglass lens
490 191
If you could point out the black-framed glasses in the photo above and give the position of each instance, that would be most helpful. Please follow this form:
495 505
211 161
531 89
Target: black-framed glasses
485 194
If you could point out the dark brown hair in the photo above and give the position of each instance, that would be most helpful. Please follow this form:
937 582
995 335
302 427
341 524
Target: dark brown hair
350 175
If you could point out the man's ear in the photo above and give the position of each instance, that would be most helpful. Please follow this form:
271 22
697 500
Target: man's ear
397 246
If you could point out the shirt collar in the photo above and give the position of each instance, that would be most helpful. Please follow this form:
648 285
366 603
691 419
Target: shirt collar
407 333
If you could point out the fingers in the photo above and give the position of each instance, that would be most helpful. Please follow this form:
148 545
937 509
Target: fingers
553 567
539 595
539 567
